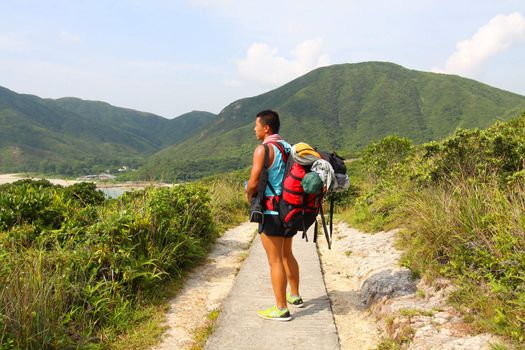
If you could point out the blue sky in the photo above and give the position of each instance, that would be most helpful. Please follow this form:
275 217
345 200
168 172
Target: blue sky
170 57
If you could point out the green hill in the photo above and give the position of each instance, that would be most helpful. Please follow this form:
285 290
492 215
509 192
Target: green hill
341 107
72 136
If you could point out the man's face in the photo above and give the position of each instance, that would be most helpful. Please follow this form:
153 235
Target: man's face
260 129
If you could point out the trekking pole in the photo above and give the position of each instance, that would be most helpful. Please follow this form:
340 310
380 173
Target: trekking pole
315 231
325 229
331 215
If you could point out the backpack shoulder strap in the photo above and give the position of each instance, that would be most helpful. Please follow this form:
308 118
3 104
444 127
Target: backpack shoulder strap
267 165
266 156
281 149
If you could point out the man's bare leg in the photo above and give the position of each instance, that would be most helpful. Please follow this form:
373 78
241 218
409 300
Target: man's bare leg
291 266
274 251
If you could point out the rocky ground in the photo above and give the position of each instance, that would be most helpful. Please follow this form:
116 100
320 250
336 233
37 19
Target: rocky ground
374 300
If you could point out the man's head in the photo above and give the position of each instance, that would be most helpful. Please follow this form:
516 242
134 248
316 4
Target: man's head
266 123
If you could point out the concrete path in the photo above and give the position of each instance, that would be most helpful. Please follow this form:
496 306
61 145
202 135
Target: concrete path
312 327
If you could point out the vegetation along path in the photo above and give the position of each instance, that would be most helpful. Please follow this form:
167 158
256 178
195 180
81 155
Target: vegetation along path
365 300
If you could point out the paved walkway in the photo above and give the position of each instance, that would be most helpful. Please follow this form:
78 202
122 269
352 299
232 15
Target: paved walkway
312 327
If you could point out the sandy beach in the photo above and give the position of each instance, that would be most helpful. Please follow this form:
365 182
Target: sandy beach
8 178
131 185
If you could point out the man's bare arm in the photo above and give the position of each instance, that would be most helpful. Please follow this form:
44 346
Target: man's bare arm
257 166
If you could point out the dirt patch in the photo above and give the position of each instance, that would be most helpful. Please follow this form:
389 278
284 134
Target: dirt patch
342 269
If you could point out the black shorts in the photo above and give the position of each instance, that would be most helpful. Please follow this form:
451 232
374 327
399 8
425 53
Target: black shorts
273 226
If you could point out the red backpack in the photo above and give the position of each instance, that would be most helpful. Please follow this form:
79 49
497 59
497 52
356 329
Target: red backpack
298 210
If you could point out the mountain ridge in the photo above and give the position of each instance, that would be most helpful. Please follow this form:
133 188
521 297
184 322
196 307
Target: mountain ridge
341 107
344 107
74 136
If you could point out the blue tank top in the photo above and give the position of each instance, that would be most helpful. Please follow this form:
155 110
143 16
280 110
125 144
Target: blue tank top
276 173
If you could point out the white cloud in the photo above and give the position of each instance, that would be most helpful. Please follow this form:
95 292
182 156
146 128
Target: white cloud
263 65
500 33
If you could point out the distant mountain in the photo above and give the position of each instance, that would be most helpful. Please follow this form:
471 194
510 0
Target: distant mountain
73 136
341 107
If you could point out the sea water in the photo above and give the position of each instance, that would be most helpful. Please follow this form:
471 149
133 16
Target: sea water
114 192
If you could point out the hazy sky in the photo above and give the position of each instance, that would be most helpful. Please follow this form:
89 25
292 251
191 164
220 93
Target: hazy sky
170 57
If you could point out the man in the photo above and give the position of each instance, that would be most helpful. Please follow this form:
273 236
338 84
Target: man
276 240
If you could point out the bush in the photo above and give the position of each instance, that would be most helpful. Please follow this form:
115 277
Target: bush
497 151
28 202
84 192
75 281
460 201
387 157
475 233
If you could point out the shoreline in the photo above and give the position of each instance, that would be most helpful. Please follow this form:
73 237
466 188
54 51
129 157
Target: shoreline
13 177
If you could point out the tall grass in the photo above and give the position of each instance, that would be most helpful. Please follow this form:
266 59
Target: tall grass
228 201
461 202
473 232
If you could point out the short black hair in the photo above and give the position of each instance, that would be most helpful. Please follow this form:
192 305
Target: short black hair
270 118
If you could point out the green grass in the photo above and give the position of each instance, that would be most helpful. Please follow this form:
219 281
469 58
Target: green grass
388 344
499 347
403 338
200 335
475 236
415 312
146 322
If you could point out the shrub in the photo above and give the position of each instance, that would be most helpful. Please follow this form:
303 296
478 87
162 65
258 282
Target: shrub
473 232
84 192
28 202
497 151
386 157
75 281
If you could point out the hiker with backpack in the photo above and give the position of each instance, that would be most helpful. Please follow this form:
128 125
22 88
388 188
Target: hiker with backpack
263 191
286 191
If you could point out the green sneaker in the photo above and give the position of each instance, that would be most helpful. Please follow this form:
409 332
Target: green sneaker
294 300
273 313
